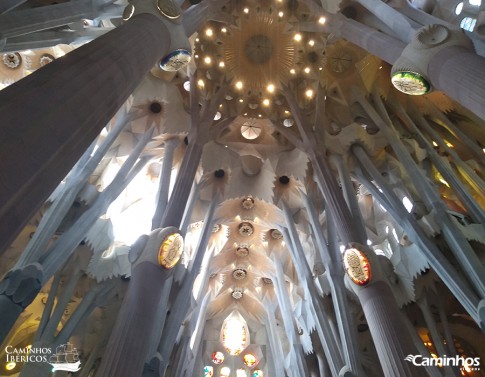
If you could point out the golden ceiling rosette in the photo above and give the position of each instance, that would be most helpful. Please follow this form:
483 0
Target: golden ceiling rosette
258 51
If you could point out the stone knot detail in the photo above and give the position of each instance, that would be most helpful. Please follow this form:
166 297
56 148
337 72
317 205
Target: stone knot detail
22 285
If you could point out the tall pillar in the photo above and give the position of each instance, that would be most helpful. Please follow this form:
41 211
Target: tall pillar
164 181
382 315
129 341
89 85
40 18
443 58
460 73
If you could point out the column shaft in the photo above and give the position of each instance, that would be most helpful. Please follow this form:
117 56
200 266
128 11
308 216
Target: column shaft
127 347
460 73
385 324
49 118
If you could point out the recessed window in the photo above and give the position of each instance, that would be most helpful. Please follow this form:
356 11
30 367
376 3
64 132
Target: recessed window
250 131
459 8
468 23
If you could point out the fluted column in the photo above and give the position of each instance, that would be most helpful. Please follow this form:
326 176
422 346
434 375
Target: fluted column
89 84
375 42
397 22
463 293
129 340
457 242
460 73
350 197
182 305
385 324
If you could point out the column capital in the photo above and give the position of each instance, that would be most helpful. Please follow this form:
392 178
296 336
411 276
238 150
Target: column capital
22 285
410 72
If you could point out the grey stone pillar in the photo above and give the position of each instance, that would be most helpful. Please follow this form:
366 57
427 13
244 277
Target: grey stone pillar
164 181
129 341
40 18
383 46
181 190
385 324
460 73
8 5
89 84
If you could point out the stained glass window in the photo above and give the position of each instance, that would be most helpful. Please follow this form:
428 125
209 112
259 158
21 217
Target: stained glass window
249 360
217 358
258 373
208 371
235 333
225 372
241 373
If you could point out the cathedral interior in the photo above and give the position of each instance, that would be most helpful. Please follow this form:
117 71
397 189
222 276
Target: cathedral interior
243 188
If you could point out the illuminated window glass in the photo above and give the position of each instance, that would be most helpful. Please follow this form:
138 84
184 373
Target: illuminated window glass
217 358
258 373
475 3
225 372
468 23
459 8
241 373
208 371
249 360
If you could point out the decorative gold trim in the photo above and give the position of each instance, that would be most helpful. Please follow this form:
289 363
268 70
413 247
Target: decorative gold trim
169 9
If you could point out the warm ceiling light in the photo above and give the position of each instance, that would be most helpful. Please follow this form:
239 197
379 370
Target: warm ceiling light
200 83
309 93
292 71
322 20
287 112
281 13
435 144
239 85
209 32
246 10
197 39
307 69
11 365
297 37
270 88
241 100
221 64
207 60
311 42
266 102
224 30
320 68
449 145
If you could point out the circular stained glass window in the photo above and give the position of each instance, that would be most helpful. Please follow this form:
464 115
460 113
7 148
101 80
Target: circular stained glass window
217 357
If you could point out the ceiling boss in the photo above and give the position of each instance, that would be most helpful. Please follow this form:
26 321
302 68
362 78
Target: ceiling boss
260 51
